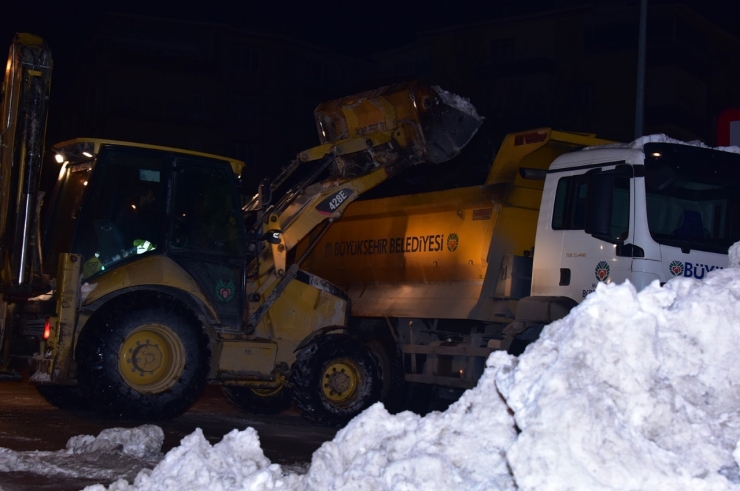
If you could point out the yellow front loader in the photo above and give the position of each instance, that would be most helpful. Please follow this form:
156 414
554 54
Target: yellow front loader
156 278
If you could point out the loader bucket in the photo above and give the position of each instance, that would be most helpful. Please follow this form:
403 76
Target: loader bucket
405 123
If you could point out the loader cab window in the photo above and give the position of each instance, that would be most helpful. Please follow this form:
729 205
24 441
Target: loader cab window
205 209
123 216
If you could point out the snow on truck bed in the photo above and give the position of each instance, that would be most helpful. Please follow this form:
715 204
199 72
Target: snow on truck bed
639 143
631 391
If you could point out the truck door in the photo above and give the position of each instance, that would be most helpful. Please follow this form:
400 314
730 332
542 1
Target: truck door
591 257
205 233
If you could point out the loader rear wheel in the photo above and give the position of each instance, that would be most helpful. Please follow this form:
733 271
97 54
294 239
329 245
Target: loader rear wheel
143 358
259 401
334 379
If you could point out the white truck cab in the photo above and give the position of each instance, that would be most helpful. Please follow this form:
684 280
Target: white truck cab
650 210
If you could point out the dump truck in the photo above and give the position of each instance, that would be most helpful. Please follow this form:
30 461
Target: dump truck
446 277
153 276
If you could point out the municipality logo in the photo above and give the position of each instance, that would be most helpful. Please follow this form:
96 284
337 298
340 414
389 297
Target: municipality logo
452 241
676 268
225 289
602 271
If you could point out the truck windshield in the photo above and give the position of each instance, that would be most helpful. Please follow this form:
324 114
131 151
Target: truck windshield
693 196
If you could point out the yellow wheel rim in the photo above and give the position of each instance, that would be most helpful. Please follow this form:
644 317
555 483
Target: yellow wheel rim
151 358
340 380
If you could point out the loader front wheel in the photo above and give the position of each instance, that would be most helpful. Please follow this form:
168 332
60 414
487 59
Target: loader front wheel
145 358
334 379
259 401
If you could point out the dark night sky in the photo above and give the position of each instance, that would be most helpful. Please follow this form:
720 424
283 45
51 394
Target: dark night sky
353 27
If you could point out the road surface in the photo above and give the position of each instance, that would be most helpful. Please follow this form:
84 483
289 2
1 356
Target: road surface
28 422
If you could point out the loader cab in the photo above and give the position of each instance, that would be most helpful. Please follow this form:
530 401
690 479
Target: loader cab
118 202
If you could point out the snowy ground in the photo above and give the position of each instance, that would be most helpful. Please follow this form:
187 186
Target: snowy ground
631 391
115 453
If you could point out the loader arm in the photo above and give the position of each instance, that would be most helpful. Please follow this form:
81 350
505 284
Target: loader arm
366 139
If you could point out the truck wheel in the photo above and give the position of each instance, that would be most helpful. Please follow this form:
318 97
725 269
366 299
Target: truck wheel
391 370
259 401
334 379
143 360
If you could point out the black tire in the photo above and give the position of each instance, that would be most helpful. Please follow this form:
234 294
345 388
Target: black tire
65 397
259 401
168 374
334 379
391 371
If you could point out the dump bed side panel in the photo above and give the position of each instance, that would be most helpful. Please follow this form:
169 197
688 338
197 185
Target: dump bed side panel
403 255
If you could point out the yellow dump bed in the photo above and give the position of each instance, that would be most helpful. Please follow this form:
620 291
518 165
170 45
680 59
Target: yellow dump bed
439 254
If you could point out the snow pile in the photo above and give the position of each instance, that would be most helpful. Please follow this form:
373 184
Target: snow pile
144 442
639 143
461 448
374 451
632 391
114 453
460 103
635 391
236 462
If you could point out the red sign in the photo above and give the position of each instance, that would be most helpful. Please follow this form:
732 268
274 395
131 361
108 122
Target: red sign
728 128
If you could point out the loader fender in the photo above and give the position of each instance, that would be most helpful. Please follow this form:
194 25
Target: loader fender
320 332
157 271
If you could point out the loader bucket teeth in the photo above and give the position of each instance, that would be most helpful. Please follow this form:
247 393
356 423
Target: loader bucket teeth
450 125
